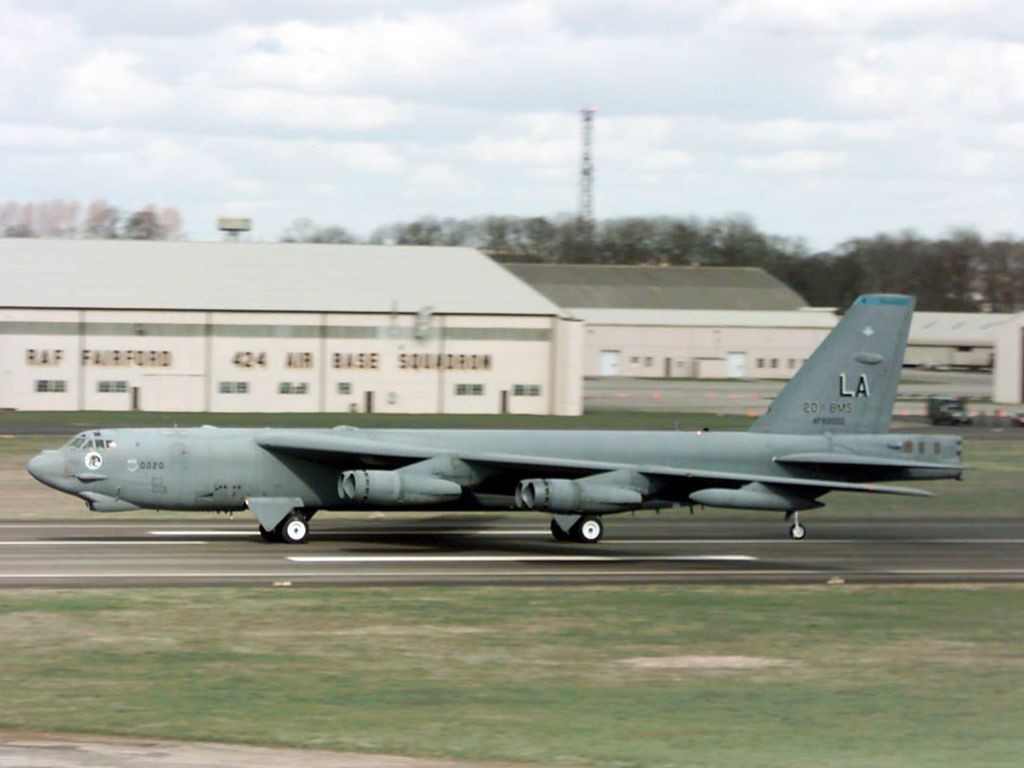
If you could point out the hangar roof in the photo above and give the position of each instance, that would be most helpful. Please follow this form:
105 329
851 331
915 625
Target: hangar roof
974 329
717 318
630 287
279 277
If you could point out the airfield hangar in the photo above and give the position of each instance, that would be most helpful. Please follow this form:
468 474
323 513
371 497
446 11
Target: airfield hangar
692 322
176 326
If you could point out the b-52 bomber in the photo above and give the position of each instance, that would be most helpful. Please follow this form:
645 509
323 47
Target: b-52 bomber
826 431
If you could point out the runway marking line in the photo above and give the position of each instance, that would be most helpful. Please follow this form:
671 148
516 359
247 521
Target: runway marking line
214 532
97 542
319 575
514 558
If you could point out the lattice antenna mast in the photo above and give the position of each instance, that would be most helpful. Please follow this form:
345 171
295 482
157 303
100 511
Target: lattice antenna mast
586 212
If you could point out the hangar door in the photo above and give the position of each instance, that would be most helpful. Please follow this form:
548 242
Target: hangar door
610 362
736 365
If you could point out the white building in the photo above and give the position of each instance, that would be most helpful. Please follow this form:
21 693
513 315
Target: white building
702 343
114 325
953 339
700 322
1008 375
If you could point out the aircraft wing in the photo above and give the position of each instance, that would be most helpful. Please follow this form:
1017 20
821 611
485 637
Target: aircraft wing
347 451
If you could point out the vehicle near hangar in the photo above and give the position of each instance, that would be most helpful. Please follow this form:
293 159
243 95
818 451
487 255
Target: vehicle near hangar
948 409
826 431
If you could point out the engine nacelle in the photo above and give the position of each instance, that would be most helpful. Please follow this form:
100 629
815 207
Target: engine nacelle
753 496
390 488
561 495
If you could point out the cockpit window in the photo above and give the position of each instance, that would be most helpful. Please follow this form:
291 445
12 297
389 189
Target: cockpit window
85 443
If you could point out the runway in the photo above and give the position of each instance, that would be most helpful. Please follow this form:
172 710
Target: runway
495 550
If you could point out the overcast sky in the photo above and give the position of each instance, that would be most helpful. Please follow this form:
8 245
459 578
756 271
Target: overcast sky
823 119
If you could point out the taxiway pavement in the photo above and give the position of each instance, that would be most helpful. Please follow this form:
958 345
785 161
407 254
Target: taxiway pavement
506 550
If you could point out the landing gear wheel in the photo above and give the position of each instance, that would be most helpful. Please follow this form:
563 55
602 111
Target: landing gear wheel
269 536
797 531
558 533
293 529
588 530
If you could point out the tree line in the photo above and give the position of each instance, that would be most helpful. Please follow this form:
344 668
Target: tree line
98 219
959 272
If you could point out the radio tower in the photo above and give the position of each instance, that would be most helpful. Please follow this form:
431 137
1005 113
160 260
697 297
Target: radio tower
586 213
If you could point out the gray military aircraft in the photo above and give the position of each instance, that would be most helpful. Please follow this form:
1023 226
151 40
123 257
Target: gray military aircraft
826 431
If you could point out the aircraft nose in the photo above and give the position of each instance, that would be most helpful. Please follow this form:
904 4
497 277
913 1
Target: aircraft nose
47 467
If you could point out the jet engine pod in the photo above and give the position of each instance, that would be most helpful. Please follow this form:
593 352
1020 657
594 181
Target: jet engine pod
753 496
390 488
561 495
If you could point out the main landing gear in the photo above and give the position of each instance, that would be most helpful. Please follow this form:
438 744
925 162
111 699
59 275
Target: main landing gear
796 531
294 529
281 518
587 529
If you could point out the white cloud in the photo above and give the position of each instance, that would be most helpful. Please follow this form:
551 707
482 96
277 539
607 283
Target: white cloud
362 113
262 108
108 86
806 161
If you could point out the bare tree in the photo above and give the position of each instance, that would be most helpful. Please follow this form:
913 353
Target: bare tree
169 220
143 225
101 220
307 231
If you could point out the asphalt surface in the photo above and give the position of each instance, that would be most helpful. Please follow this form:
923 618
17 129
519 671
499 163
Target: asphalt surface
496 550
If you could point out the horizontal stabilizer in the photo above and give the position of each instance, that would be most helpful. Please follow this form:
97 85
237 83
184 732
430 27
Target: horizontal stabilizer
858 461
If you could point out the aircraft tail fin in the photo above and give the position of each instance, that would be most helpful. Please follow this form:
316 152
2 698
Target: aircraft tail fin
849 384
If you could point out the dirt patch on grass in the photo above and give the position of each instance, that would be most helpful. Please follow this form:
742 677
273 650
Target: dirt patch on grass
705 662
27 748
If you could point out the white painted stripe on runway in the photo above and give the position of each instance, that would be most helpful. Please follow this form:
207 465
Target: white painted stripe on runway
212 532
951 571
513 558
411 574
97 543
360 532
803 542
414 574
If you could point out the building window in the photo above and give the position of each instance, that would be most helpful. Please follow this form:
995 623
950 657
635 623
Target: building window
775 362
760 362
233 387
293 388
51 385
792 363
648 362
112 386
634 361
469 389
526 390
344 387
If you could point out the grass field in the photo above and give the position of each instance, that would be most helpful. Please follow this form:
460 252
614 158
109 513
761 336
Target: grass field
650 676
